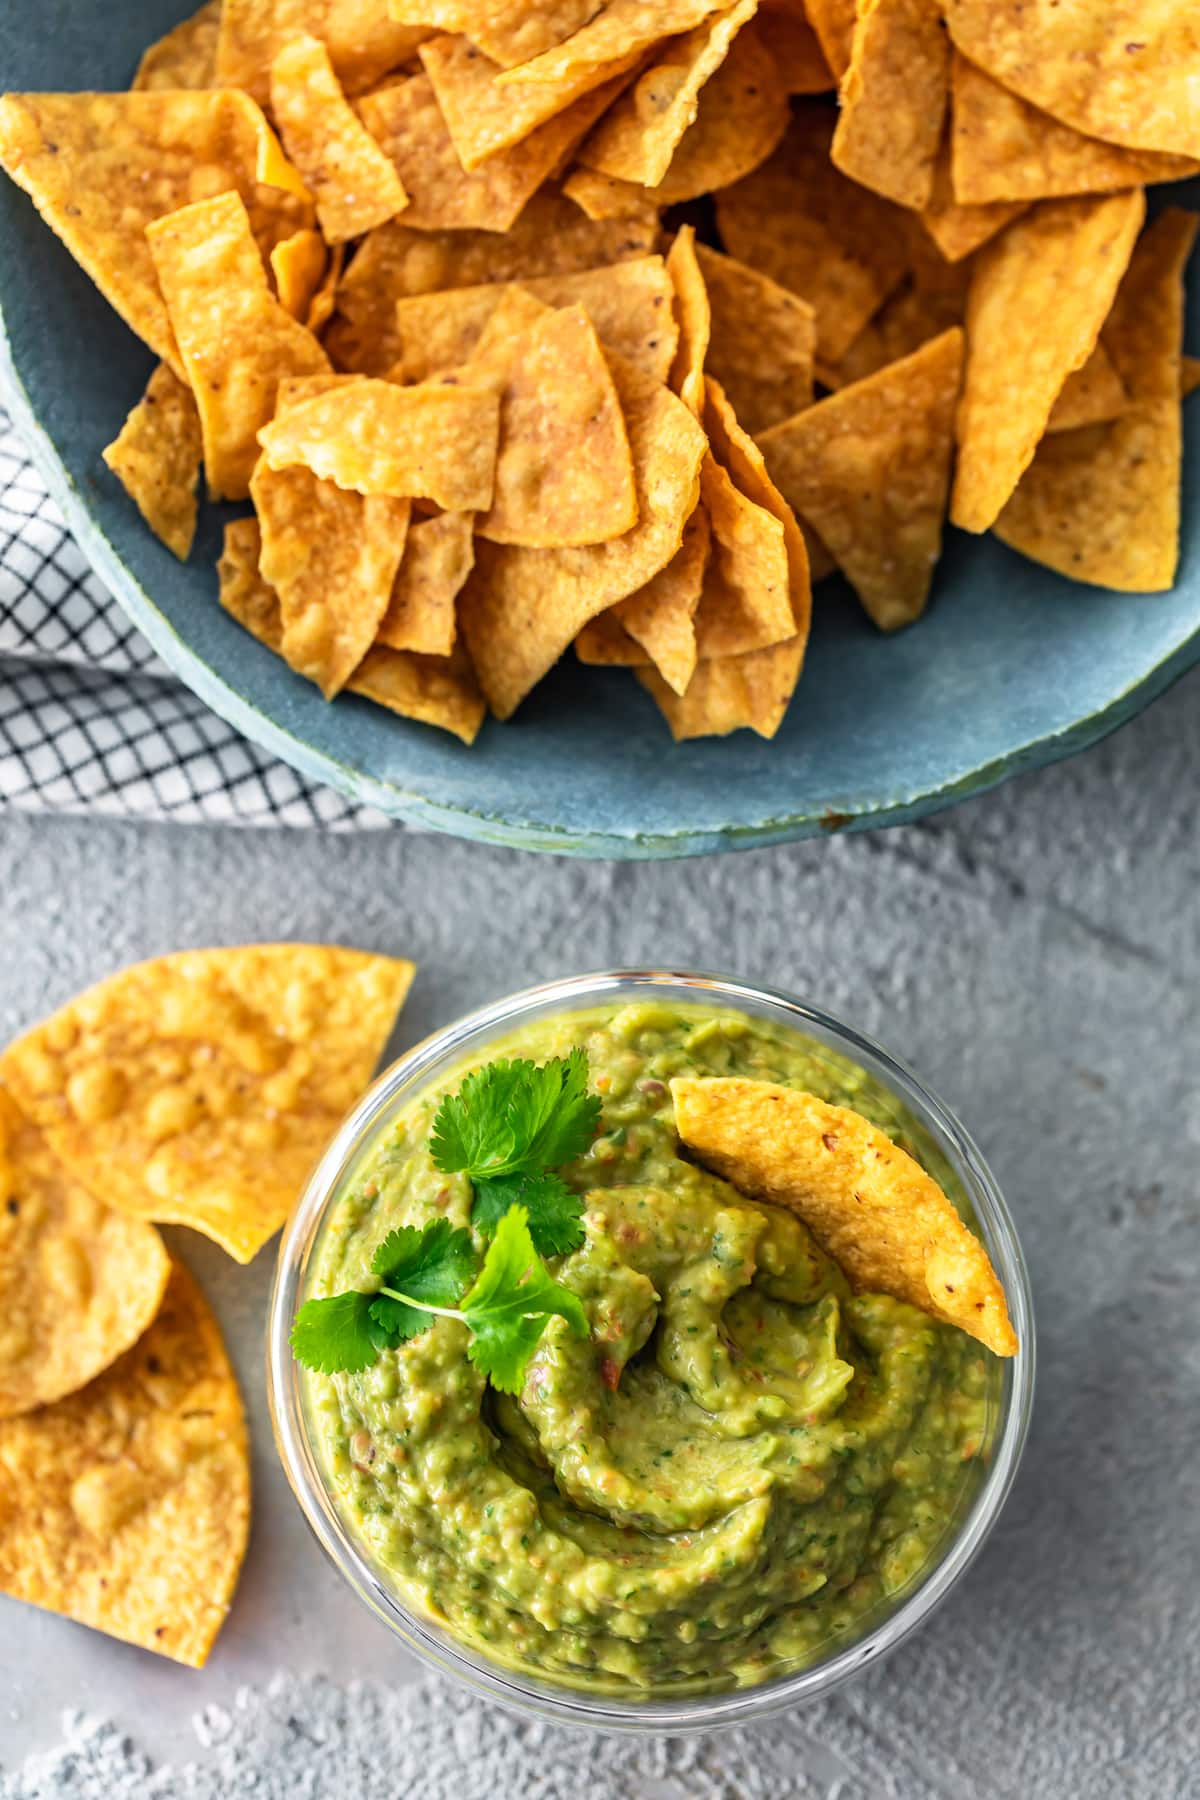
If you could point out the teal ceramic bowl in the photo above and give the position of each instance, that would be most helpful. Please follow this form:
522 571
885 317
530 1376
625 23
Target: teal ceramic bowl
1010 668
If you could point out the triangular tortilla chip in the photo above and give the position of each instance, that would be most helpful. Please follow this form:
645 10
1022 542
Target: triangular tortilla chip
743 113
362 40
692 311
1090 395
101 167
1111 68
354 185
520 608
126 1506
955 227
1102 504
236 341
156 458
438 557
869 1204
870 467
1038 297
199 1089
762 341
796 47
78 1283
186 57
893 97
1002 148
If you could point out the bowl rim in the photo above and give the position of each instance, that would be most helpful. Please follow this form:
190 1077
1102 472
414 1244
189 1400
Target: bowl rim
546 1699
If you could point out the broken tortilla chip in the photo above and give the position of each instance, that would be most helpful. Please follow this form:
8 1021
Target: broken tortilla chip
692 311
892 101
1102 504
868 1203
235 340
870 468
198 1089
186 57
78 1283
1090 395
156 458
438 557
126 1506
762 341
520 608
743 113
1038 297
1115 69
354 185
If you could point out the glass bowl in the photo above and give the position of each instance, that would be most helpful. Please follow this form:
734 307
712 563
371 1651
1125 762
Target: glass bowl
947 1143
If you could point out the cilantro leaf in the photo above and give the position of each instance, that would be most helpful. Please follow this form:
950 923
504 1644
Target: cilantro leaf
430 1267
335 1334
512 1300
515 1118
555 1213
554 1116
472 1129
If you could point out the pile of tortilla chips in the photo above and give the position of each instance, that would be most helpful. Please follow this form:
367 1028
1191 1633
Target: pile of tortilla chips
617 323
197 1090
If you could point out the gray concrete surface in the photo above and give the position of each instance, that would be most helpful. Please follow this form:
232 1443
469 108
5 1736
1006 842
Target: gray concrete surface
1035 954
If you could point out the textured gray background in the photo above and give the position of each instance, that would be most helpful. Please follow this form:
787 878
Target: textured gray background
1035 955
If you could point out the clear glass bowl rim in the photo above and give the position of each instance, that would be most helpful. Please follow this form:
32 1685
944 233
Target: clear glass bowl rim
547 1700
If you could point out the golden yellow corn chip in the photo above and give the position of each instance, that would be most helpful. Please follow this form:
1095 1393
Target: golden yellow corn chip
800 221
746 601
355 186
551 237
320 308
600 197
235 339
186 57
742 116
622 28
434 690
929 302
638 135
869 1204
199 1089
126 1506
956 227
1123 70
101 167
893 99
1190 375
1102 504
1002 148
659 619
795 47
520 608
156 458
507 31
430 441
484 118
870 468
1038 297
762 341
1090 395
362 40
833 23
78 1283
692 312
604 643
298 265
438 557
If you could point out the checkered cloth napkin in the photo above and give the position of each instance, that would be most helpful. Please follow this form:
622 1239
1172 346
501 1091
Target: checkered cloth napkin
91 720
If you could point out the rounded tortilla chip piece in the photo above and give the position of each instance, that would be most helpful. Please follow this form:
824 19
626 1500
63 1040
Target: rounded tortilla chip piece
126 1506
199 1089
866 1201
78 1283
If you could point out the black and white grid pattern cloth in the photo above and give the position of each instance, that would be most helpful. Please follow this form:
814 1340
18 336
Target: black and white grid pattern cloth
91 720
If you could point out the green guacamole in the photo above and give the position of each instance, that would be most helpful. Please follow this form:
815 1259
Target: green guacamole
742 1462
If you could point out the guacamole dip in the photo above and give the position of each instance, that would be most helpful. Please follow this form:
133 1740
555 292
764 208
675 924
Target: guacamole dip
742 1460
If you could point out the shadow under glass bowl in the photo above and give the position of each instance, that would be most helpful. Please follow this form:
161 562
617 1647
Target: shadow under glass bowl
941 1137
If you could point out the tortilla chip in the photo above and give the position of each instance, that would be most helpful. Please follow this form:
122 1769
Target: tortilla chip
186 57
362 40
1190 375
870 467
236 341
600 197
956 228
520 608
639 134
762 343
929 302
507 31
746 600
355 186
833 23
438 557
893 99
1116 69
78 1284
434 690
101 167
604 643
551 237
484 118
1002 148
320 309
1102 504
407 123
659 619
1090 395
198 1089
621 29
692 311
742 116
832 242
796 48
156 458
869 1204
1037 300
126 1506
298 266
